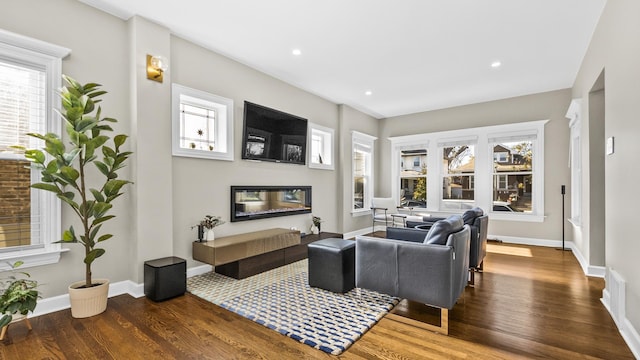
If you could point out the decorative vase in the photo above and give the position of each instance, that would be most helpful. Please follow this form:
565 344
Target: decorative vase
86 302
314 229
210 235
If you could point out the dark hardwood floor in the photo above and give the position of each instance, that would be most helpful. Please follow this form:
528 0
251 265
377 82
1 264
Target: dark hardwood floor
530 302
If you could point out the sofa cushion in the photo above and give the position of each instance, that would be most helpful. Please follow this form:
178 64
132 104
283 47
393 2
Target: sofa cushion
440 231
470 216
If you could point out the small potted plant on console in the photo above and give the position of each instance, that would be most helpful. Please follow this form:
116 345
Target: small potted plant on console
208 223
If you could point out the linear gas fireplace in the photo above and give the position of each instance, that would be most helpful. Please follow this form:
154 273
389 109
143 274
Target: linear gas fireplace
259 202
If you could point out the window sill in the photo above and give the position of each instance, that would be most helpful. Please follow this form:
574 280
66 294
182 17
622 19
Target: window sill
516 217
321 166
360 212
32 257
575 222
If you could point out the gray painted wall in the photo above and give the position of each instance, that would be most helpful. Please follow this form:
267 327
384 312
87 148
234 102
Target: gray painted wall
550 105
170 193
99 53
615 48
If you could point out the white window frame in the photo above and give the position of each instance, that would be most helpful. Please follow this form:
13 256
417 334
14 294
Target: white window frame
223 108
575 158
483 166
326 136
35 53
364 143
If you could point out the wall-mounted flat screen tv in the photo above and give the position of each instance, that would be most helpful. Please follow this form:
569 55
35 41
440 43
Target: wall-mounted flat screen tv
273 135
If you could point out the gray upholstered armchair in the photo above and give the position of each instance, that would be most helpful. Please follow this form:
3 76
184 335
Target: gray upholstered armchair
432 272
475 218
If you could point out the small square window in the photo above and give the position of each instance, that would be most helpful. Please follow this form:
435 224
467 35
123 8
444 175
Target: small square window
321 156
202 124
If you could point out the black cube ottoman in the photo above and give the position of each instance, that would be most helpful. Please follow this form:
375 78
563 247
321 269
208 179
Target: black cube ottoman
332 264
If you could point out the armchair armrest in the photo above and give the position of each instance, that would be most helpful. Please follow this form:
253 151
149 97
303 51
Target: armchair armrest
406 234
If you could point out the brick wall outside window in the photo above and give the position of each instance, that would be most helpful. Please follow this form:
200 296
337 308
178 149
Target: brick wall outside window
15 203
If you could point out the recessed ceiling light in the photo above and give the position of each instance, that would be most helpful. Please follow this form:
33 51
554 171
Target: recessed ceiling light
296 52
368 92
496 64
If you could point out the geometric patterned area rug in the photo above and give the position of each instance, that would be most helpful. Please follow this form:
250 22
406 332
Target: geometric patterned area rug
281 299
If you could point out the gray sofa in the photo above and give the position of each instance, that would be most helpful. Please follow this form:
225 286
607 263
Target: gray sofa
432 272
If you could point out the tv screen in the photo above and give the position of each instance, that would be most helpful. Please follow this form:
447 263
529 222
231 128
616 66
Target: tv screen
273 135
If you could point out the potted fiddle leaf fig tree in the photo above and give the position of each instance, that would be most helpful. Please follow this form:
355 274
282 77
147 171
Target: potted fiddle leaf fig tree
71 171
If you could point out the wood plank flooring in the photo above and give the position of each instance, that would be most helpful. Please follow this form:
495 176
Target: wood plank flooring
530 302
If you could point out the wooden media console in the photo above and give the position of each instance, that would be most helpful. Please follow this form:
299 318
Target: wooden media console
243 255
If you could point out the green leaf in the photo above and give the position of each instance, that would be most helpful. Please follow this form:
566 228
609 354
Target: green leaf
92 255
108 152
68 195
69 173
5 320
73 83
87 208
71 203
110 120
118 140
102 219
69 235
97 195
112 187
72 155
94 232
99 140
102 167
89 86
105 237
35 155
97 93
47 187
101 208
52 167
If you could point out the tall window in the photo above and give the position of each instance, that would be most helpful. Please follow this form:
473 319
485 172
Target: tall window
513 179
458 165
576 161
413 178
29 218
362 171
22 104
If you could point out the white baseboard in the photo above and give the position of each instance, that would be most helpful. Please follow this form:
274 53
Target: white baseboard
589 270
631 337
61 302
615 304
526 241
364 231
199 270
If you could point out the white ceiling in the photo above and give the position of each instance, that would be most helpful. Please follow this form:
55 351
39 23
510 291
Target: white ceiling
413 55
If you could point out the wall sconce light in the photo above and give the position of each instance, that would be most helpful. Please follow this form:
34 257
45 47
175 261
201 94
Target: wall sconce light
156 66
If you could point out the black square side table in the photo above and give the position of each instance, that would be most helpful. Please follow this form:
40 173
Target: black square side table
165 278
